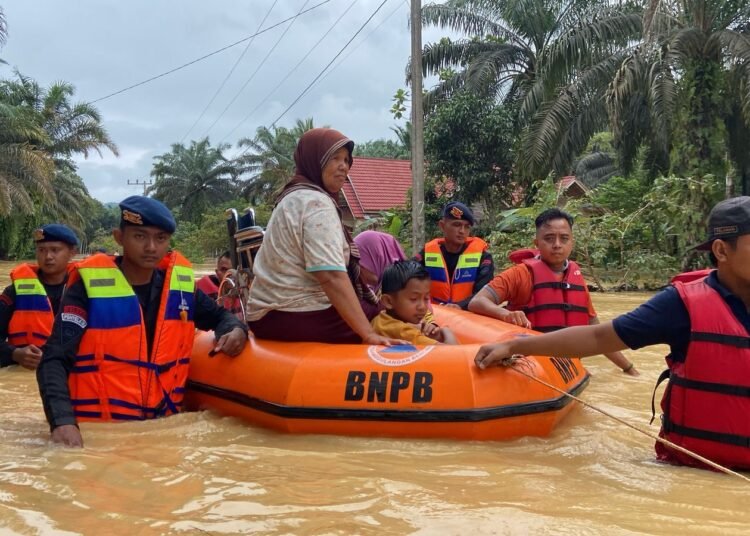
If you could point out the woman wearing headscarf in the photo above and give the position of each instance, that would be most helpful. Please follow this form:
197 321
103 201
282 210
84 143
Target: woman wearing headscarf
307 282
377 251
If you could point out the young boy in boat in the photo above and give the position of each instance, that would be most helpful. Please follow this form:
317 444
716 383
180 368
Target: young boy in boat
706 324
29 305
120 349
406 298
545 292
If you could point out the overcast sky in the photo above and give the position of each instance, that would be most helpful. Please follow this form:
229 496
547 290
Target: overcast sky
102 46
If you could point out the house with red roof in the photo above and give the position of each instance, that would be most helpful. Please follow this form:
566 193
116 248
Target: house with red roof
571 188
375 185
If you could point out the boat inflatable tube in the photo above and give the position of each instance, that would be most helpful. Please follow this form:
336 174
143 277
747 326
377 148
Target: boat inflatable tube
399 391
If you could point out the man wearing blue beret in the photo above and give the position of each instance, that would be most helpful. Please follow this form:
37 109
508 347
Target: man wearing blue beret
459 264
120 349
29 305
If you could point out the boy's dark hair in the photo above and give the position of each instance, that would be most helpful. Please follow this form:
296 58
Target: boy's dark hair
225 255
732 241
397 275
553 214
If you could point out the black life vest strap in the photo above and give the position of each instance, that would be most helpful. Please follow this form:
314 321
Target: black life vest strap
719 437
663 376
721 388
730 340
567 307
564 285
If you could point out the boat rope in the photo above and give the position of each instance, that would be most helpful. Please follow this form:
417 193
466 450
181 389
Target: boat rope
518 359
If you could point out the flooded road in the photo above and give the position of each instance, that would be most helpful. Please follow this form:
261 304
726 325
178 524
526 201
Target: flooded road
198 473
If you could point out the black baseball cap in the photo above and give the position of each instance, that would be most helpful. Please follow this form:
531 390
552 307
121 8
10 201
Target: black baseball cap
728 219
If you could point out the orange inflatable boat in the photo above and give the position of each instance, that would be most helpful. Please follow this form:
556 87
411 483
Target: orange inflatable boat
405 391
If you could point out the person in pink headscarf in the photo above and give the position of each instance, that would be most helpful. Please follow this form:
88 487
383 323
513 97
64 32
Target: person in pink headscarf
377 251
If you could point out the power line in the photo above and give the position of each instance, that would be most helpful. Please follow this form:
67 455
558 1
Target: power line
304 91
362 41
252 76
300 62
231 71
207 55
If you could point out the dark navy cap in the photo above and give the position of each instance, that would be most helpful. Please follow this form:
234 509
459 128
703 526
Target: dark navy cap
728 219
142 210
55 232
456 210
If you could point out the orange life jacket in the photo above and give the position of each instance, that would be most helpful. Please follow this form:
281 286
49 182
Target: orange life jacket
555 304
443 290
114 378
707 400
33 317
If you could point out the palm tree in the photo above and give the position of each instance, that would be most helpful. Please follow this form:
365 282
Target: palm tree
40 132
268 159
71 128
684 93
25 169
192 179
526 52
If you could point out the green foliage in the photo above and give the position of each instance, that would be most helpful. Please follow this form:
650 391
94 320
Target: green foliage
208 240
682 93
628 234
469 141
190 180
382 148
103 240
268 161
388 221
399 103
186 240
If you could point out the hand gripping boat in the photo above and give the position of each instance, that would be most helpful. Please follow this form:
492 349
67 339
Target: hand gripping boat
406 391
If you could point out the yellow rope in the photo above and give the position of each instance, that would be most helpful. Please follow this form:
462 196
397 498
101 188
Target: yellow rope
698 457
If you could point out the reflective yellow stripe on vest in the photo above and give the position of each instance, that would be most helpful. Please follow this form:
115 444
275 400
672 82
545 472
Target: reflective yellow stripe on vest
469 260
434 260
182 279
29 287
105 283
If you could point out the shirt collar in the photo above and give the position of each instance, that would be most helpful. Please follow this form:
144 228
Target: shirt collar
565 265
713 281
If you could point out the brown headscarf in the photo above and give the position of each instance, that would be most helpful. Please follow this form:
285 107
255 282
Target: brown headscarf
314 150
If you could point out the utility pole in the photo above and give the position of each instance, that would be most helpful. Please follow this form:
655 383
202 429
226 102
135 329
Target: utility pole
417 129
145 184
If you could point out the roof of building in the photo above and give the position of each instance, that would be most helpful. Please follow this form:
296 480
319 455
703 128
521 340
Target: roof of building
565 184
377 184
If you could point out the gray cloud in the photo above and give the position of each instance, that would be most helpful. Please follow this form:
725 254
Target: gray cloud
101 46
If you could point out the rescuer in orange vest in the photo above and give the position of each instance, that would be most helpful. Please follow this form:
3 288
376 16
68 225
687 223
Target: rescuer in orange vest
545 292
121 347
706 323
459 265
29 304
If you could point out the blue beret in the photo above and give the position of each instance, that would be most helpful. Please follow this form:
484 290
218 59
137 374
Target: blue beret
55 232
458 211
141 210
